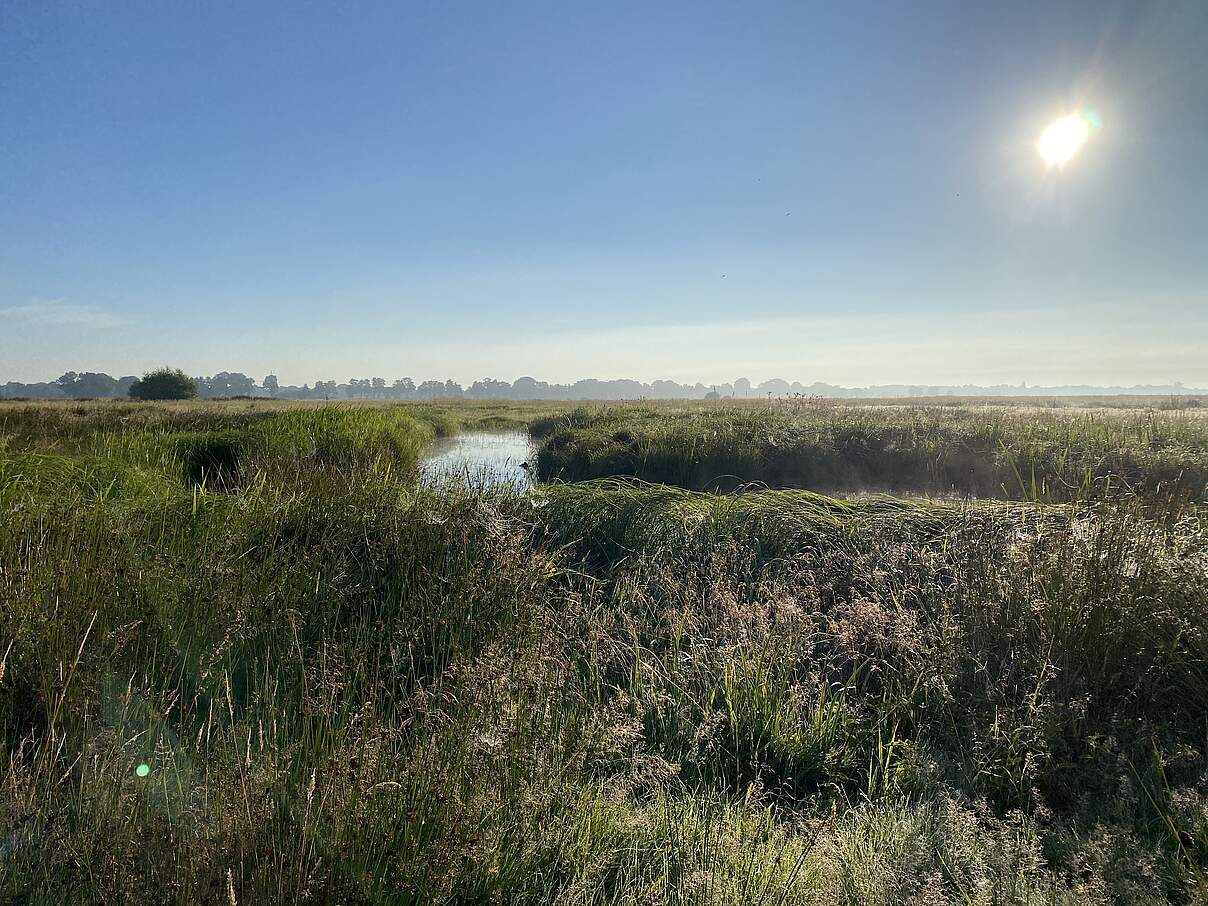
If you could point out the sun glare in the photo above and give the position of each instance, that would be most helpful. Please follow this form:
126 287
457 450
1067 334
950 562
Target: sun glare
1062 139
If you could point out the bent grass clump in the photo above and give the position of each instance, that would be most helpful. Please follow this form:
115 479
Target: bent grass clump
1162 458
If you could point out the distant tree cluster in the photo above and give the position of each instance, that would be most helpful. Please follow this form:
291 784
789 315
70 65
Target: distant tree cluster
164 384
226 384
71 386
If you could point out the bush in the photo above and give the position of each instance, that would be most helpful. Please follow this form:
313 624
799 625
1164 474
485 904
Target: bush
164 384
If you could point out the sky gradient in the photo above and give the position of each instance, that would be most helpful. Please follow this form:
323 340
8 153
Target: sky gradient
830 192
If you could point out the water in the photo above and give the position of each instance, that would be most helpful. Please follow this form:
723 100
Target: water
482 459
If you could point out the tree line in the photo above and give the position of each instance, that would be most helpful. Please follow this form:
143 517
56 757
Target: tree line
226 385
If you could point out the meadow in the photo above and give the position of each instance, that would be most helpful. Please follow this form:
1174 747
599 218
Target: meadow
247 657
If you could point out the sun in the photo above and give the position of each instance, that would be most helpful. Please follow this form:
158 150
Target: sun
1062 139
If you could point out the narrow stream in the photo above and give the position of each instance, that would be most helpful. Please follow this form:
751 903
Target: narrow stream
482 459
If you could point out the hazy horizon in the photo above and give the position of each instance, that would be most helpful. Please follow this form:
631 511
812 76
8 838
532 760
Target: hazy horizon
1160 351
836 194
224 383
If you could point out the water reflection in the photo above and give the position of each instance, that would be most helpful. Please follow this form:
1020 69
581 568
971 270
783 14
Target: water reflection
482 459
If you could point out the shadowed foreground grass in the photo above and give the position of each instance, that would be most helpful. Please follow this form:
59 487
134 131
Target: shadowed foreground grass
347 688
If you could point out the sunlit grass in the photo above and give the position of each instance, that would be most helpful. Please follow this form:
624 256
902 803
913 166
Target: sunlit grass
347 687
1159 457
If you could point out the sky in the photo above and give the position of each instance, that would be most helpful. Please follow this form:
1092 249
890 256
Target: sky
838 192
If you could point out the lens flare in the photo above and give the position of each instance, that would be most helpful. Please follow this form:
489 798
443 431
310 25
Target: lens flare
1062 139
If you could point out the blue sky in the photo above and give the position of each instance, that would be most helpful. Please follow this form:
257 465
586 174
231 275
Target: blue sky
837 192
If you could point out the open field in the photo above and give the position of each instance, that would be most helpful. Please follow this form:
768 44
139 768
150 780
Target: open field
245 657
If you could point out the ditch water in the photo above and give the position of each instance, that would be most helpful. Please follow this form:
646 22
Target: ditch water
482 459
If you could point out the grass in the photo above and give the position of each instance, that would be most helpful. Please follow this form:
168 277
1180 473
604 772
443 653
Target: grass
1161 457
347 687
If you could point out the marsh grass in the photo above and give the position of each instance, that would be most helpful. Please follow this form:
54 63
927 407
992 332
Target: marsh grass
1065 456
351 688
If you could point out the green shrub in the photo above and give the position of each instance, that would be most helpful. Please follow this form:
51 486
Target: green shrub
164 384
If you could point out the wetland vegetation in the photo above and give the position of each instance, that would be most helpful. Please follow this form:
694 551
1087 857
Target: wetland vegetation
247 656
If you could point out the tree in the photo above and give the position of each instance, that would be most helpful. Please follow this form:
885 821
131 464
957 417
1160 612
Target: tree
227 384
774 387
87 385
527 388
270 384
486 389
164 384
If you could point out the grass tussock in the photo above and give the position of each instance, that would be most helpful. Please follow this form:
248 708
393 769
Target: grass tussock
327 683
1058 456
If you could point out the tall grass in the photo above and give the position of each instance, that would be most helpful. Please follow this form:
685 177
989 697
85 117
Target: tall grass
348 688
1062 456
